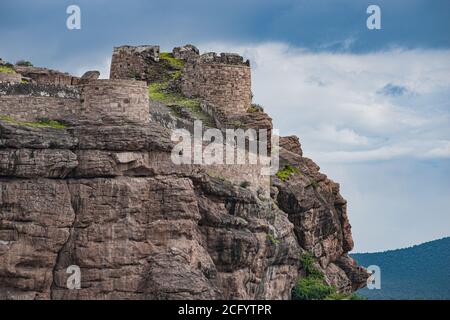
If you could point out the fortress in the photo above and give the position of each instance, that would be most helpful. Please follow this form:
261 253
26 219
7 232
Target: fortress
220 84
87 179
223 81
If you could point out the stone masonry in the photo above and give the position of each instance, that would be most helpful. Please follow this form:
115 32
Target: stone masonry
95 102
133 61
103 192
224 81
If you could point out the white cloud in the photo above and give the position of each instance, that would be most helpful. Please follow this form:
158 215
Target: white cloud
442 151
345 136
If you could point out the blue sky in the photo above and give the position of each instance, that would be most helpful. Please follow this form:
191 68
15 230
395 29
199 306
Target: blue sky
371 107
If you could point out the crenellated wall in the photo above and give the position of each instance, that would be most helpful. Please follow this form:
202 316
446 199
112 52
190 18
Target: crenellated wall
223 81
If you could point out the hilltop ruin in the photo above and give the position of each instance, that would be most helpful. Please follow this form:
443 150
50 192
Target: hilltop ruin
86 179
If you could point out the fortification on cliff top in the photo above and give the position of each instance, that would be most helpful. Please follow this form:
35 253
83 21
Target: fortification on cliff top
209 87
222 81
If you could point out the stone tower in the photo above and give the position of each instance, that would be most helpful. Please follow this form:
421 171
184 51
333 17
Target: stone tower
133 61
223 80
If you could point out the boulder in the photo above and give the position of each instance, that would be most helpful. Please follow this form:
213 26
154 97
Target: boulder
90 75
187 52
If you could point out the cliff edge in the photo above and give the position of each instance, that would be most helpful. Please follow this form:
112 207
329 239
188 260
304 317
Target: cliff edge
87 180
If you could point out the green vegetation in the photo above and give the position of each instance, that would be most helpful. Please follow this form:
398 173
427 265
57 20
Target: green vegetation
236 123
286 172
272 239
310 288
175 63
38 124
7 69
161 92
314 287
307 260
175 75
24 63
244 184
255 108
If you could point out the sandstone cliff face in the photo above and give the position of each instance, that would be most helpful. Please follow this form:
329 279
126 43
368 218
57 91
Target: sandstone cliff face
136 225
108 199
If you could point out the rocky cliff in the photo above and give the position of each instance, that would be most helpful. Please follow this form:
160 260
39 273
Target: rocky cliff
108 199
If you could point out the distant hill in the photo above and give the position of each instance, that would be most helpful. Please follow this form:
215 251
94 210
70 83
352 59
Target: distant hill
418 272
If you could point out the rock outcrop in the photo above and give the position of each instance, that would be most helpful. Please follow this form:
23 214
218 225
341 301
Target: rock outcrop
108 199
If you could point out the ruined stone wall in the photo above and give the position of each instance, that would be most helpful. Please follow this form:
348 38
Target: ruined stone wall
115 102
99 102
132 62
47 76
220 80
32 108
10 77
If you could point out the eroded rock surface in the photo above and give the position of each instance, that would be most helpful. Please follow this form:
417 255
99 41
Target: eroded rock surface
110 201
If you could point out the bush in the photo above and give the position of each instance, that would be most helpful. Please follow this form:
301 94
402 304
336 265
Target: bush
311 288
255 108
286 172
24 63
307 260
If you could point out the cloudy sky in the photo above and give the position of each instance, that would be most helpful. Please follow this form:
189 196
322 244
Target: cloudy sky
371 107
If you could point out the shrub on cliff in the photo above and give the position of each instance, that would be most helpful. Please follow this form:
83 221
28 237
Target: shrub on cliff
286 172
175 63
24 63
307 260
313 286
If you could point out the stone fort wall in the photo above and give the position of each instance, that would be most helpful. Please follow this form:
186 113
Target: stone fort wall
10 77
47 76
133 61
115 102
223 81
99 102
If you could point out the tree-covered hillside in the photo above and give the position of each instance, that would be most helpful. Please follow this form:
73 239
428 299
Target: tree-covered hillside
418 272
